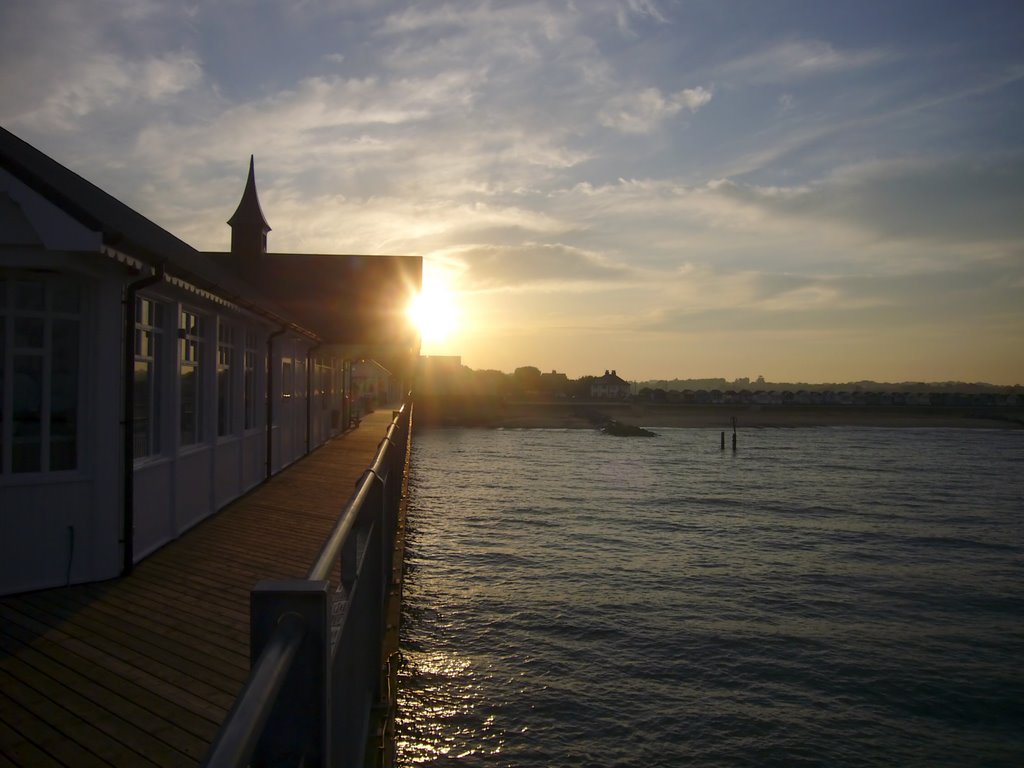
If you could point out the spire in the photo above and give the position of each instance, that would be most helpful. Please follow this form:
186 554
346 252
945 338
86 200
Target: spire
248 225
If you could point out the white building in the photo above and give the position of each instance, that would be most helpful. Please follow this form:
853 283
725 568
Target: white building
609 386
145 384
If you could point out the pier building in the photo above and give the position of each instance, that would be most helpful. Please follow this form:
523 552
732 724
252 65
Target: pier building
176 443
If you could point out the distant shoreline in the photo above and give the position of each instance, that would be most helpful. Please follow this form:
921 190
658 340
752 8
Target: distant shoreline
493 414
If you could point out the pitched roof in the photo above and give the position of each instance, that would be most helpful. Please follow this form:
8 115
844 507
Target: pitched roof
611 379
120 226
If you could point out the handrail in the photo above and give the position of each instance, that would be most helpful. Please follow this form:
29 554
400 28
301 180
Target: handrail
321 569
314 676
243 726
331 549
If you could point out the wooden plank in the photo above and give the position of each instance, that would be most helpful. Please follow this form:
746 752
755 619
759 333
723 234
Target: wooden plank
232 606
224 619
197 698
170 579
92 646
44 738
190 631
19 750
75 729
146 644
162 703
123 722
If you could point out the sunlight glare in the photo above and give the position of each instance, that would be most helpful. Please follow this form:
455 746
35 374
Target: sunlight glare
434 310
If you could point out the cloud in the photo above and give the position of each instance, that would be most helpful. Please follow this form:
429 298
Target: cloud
105 82
799 59
75 61
469 34
643 112
642 10
534 265
922 199
785 103
934 300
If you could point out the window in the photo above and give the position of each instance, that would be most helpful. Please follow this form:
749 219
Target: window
225 362
149 318
249 381
190 355
39 371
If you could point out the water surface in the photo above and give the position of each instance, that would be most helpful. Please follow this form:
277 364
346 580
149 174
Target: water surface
829 596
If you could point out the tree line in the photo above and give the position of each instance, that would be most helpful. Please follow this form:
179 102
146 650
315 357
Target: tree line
528 382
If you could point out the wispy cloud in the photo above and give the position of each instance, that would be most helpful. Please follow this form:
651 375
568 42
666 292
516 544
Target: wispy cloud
934 200
643 112
533 265
638 9
797 59
104 82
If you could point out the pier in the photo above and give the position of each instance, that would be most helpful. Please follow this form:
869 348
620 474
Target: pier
144 670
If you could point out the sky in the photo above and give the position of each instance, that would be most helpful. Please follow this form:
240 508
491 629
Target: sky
805 191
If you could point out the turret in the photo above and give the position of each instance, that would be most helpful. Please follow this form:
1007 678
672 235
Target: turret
248 225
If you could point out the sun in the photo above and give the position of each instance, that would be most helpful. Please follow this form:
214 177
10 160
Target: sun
434 310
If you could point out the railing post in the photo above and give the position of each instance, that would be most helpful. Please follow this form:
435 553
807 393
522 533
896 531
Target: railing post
296 732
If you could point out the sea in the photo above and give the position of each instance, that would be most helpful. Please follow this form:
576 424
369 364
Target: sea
819 596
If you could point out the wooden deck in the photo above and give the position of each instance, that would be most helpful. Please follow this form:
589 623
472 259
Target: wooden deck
140 671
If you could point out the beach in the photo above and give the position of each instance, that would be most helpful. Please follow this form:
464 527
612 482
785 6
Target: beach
488 413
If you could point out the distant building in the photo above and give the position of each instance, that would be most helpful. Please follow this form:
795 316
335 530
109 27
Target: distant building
145 384
610 387
554 384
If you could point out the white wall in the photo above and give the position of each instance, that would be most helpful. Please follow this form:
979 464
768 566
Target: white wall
64 526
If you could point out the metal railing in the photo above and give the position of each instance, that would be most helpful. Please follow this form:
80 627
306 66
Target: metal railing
316 649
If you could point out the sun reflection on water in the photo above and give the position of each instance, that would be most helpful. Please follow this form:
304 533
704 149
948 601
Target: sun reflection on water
439 716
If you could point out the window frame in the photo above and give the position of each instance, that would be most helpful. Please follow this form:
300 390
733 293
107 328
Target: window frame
251 414
224 388
191 349
155 325
48 317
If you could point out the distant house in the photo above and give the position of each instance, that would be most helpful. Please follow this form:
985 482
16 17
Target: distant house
145 384
609 387
554 384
